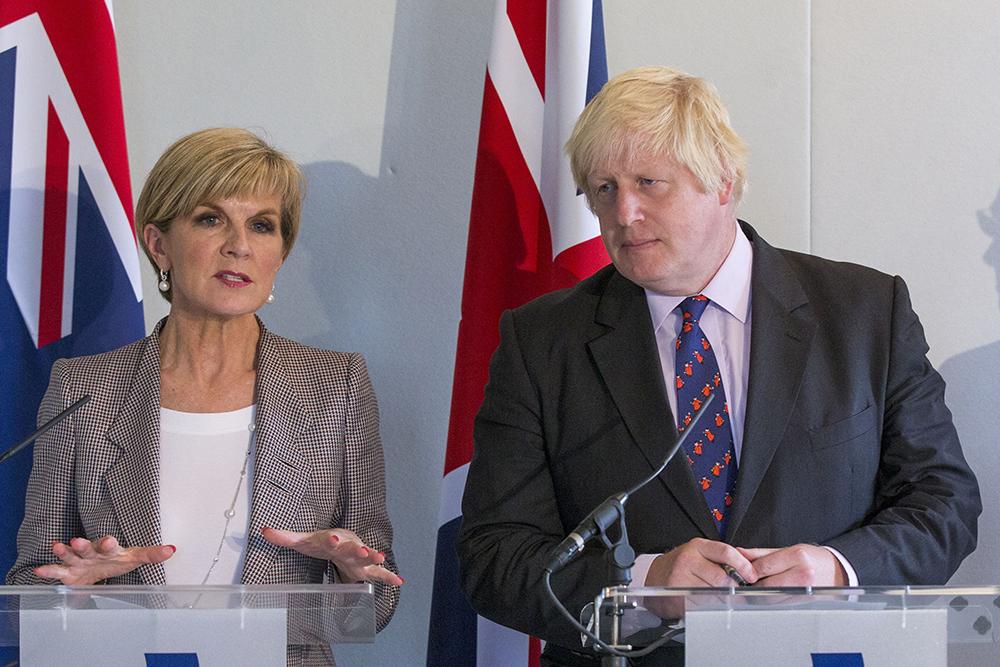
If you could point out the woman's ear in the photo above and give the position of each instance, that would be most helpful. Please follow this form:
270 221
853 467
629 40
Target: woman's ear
154 239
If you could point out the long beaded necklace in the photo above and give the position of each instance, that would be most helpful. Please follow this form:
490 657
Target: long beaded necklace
231 510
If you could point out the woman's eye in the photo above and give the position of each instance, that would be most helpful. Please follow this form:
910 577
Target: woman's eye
209 220
647 181
262 226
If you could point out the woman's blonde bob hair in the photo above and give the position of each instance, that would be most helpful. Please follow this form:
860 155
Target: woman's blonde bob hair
659 112
215 164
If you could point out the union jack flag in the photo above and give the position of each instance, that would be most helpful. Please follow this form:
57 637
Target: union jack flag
69 267
529 233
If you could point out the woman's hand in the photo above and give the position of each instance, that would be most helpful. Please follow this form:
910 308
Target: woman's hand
354 561
85 562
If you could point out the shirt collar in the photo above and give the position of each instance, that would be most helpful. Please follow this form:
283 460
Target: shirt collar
729 288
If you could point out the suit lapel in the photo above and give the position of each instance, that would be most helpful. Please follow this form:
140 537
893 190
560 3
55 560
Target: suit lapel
781 334
627 358
133 479
281 471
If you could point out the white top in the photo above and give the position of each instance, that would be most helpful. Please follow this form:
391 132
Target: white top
201 455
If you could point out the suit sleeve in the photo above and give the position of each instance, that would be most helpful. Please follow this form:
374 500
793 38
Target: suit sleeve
50 511
510 512
927 503
363 487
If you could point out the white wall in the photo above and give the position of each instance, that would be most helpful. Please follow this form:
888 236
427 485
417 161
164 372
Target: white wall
873 134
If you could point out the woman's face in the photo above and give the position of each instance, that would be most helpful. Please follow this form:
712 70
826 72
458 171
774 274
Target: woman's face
223 257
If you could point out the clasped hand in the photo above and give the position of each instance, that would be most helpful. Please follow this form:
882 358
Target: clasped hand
698 564
85 562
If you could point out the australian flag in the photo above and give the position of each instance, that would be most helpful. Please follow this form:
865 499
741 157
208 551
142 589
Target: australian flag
69 266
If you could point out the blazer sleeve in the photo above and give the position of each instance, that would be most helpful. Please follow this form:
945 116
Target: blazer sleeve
362 491
50 511
927 502
510 510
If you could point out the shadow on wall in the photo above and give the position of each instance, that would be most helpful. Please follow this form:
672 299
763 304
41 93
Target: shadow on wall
318 289
973 379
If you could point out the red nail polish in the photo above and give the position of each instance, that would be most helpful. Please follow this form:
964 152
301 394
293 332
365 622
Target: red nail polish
173 549
334 538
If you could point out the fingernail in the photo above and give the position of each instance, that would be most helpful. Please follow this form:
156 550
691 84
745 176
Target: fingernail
173 549
402 581
334 538
364 551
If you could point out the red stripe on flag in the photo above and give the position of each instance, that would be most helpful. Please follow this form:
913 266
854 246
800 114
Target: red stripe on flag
578 262
507 264
528 19
534 652
53 232
83 38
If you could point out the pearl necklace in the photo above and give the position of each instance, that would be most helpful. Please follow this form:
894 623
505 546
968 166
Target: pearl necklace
231 510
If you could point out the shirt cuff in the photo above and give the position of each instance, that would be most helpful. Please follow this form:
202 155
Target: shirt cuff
852 576
641 568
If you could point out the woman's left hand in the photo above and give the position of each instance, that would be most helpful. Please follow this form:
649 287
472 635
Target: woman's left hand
354 561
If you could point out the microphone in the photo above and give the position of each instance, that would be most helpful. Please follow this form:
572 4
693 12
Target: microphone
45 428
614 507
596 523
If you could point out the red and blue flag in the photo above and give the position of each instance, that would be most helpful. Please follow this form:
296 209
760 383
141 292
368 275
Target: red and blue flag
529 233
69 265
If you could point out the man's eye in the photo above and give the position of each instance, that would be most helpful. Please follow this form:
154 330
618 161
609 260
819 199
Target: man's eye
647 181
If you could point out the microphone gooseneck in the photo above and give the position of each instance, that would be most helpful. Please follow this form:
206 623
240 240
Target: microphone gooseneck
45 428
609 511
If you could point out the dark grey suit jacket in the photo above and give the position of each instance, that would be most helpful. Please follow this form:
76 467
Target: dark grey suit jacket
318 461
847 441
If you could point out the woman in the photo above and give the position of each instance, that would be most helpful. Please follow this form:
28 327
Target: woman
212 451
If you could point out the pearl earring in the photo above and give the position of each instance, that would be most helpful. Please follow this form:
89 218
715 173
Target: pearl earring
270 297
164 280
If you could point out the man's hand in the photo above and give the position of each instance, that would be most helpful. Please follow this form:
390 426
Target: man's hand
697 564
797 565
694 564
84 562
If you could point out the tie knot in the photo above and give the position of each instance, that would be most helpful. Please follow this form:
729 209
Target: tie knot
692 307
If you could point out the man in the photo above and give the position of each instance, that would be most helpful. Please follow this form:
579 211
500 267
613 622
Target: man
828 457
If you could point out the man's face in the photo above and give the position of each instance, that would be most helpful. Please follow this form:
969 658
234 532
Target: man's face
661 229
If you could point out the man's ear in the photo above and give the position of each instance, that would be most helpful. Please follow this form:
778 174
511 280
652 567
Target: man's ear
725 193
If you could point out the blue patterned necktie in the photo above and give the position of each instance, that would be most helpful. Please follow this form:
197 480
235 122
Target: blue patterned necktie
710 452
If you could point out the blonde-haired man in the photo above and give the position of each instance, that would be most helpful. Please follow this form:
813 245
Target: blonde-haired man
828 457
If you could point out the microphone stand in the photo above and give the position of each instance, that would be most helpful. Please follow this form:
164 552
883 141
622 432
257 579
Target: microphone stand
620 555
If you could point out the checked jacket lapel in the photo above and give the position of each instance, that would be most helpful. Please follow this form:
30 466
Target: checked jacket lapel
281 471
134 479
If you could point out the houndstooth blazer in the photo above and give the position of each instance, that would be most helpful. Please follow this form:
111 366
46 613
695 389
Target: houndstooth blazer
318 461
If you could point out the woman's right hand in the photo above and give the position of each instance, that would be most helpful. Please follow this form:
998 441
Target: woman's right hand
85 562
